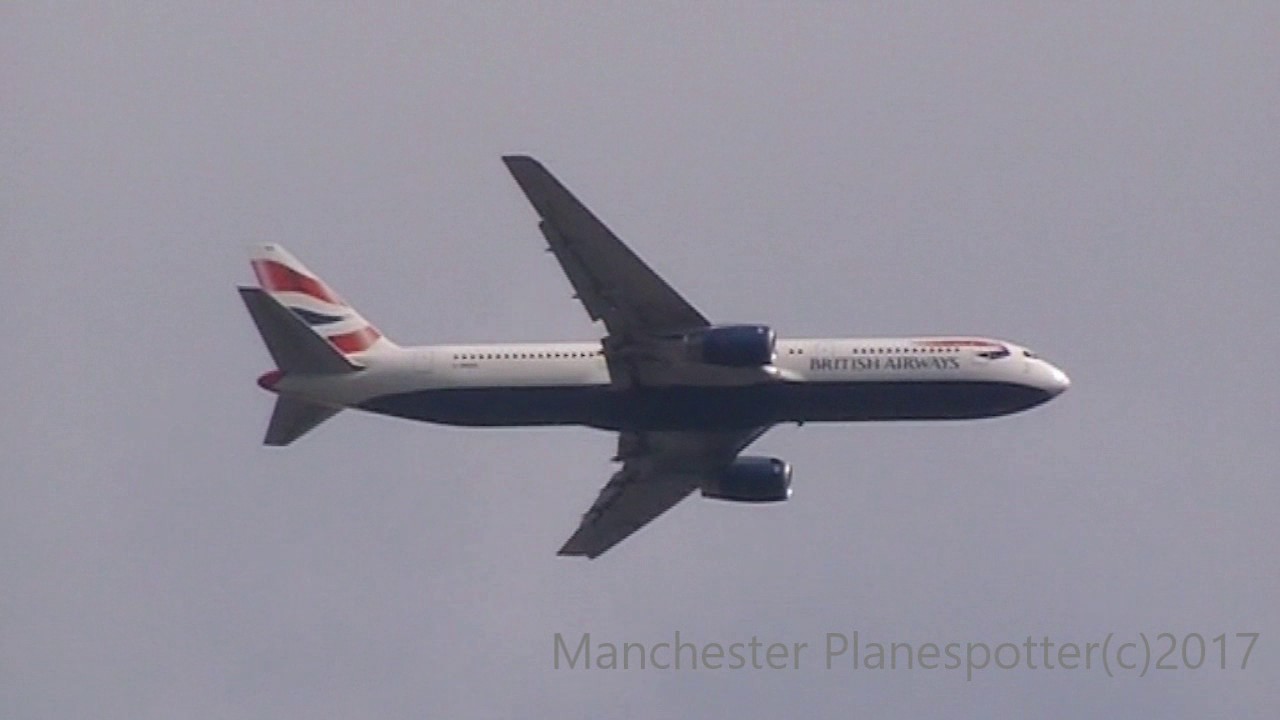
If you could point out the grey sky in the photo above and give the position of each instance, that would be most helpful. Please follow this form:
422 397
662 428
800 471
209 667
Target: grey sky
1098 182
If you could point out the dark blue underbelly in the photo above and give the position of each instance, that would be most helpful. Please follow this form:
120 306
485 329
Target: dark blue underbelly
699 408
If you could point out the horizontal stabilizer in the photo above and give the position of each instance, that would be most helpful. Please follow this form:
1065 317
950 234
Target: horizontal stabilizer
293 418
294 346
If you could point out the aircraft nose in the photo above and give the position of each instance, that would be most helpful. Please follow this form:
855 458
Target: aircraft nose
1058 380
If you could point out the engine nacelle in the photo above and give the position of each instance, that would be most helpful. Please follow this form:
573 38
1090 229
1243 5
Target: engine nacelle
732 345
751 479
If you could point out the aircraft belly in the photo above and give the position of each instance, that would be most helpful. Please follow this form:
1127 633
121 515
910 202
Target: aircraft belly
905 400
694 408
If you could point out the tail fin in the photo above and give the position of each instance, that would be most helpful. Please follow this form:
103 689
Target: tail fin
295 287
294 346
308 330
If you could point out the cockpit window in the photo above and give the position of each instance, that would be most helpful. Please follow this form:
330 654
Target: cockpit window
1028 353
995 354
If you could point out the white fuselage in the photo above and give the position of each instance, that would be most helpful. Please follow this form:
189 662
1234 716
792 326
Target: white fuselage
812 379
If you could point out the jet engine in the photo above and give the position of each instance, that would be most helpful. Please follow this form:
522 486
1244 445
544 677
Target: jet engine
751 479
732 345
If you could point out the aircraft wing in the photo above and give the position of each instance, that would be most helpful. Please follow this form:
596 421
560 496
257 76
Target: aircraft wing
659 469
611 281
642 313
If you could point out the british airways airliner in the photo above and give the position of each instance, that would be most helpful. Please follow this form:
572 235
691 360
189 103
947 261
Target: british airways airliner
685 396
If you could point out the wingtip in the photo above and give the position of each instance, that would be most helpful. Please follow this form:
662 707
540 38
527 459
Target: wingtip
570 550
517 162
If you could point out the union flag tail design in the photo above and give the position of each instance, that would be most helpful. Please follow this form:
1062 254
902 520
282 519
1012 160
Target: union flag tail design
290 283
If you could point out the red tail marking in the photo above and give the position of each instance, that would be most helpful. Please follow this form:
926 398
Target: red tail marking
357 340
281 278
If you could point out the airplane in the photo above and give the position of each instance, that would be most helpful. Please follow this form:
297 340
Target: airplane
684 395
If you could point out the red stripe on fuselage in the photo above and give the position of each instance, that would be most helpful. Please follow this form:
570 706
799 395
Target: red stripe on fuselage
958 343
280 278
